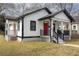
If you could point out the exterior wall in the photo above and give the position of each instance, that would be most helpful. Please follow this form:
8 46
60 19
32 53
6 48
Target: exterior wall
33 17
19 32
61 17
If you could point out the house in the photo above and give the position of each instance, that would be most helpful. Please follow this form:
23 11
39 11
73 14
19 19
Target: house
40 24
75 27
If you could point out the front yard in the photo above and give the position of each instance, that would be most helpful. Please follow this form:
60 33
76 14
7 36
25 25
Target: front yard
36 48
73 41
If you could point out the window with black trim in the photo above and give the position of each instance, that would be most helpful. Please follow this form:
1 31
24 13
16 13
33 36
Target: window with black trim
33 25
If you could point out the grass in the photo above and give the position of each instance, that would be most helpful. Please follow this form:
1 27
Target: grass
14 48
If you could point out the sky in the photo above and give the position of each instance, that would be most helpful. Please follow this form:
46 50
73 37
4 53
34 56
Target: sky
76 7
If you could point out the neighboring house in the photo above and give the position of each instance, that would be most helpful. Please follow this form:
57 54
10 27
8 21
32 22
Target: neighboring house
39 24
75 27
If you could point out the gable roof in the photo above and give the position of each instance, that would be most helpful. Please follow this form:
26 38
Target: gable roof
52 15
17 18
45 8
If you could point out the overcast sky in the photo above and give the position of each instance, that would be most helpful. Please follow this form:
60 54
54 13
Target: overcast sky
19 9
76 7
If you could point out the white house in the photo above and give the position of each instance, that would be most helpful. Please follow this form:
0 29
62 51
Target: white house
39 24
75 27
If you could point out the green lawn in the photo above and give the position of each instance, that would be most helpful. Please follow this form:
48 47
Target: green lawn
35 48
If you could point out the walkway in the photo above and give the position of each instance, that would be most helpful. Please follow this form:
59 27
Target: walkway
72 45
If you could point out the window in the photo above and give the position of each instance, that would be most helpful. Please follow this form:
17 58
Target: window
33 25
18 25
74 27
11 26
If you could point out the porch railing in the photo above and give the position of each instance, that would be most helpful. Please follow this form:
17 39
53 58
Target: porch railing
66 32
61 35
58 35
55 35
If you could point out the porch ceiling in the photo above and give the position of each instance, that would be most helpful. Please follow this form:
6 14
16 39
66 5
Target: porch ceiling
59 20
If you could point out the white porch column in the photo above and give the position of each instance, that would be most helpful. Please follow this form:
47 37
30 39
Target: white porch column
7 30
70 30
56 26
51 30
62 27
52 27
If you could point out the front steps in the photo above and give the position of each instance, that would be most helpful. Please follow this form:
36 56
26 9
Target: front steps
60 41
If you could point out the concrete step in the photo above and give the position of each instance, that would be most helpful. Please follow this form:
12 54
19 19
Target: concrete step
59 40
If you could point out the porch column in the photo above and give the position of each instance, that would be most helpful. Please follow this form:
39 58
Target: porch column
70 30
51 27
7 30
62 27
56 26
51 30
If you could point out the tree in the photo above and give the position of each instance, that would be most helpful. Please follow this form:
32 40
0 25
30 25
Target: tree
1 7
67 6
2 21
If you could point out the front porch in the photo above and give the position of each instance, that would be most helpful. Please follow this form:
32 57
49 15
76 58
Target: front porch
57 31
11 30
59 26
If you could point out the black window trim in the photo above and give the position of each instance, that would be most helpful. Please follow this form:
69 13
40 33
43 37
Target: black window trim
32 27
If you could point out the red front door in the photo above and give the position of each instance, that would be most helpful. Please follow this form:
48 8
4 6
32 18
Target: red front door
45 28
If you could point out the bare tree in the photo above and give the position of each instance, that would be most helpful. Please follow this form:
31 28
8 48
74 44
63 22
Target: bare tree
1 7
67 6
2 22
19 9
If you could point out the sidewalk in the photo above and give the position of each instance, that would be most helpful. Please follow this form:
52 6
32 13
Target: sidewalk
72 45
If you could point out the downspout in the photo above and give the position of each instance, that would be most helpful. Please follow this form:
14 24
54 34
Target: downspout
50 31
22 27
